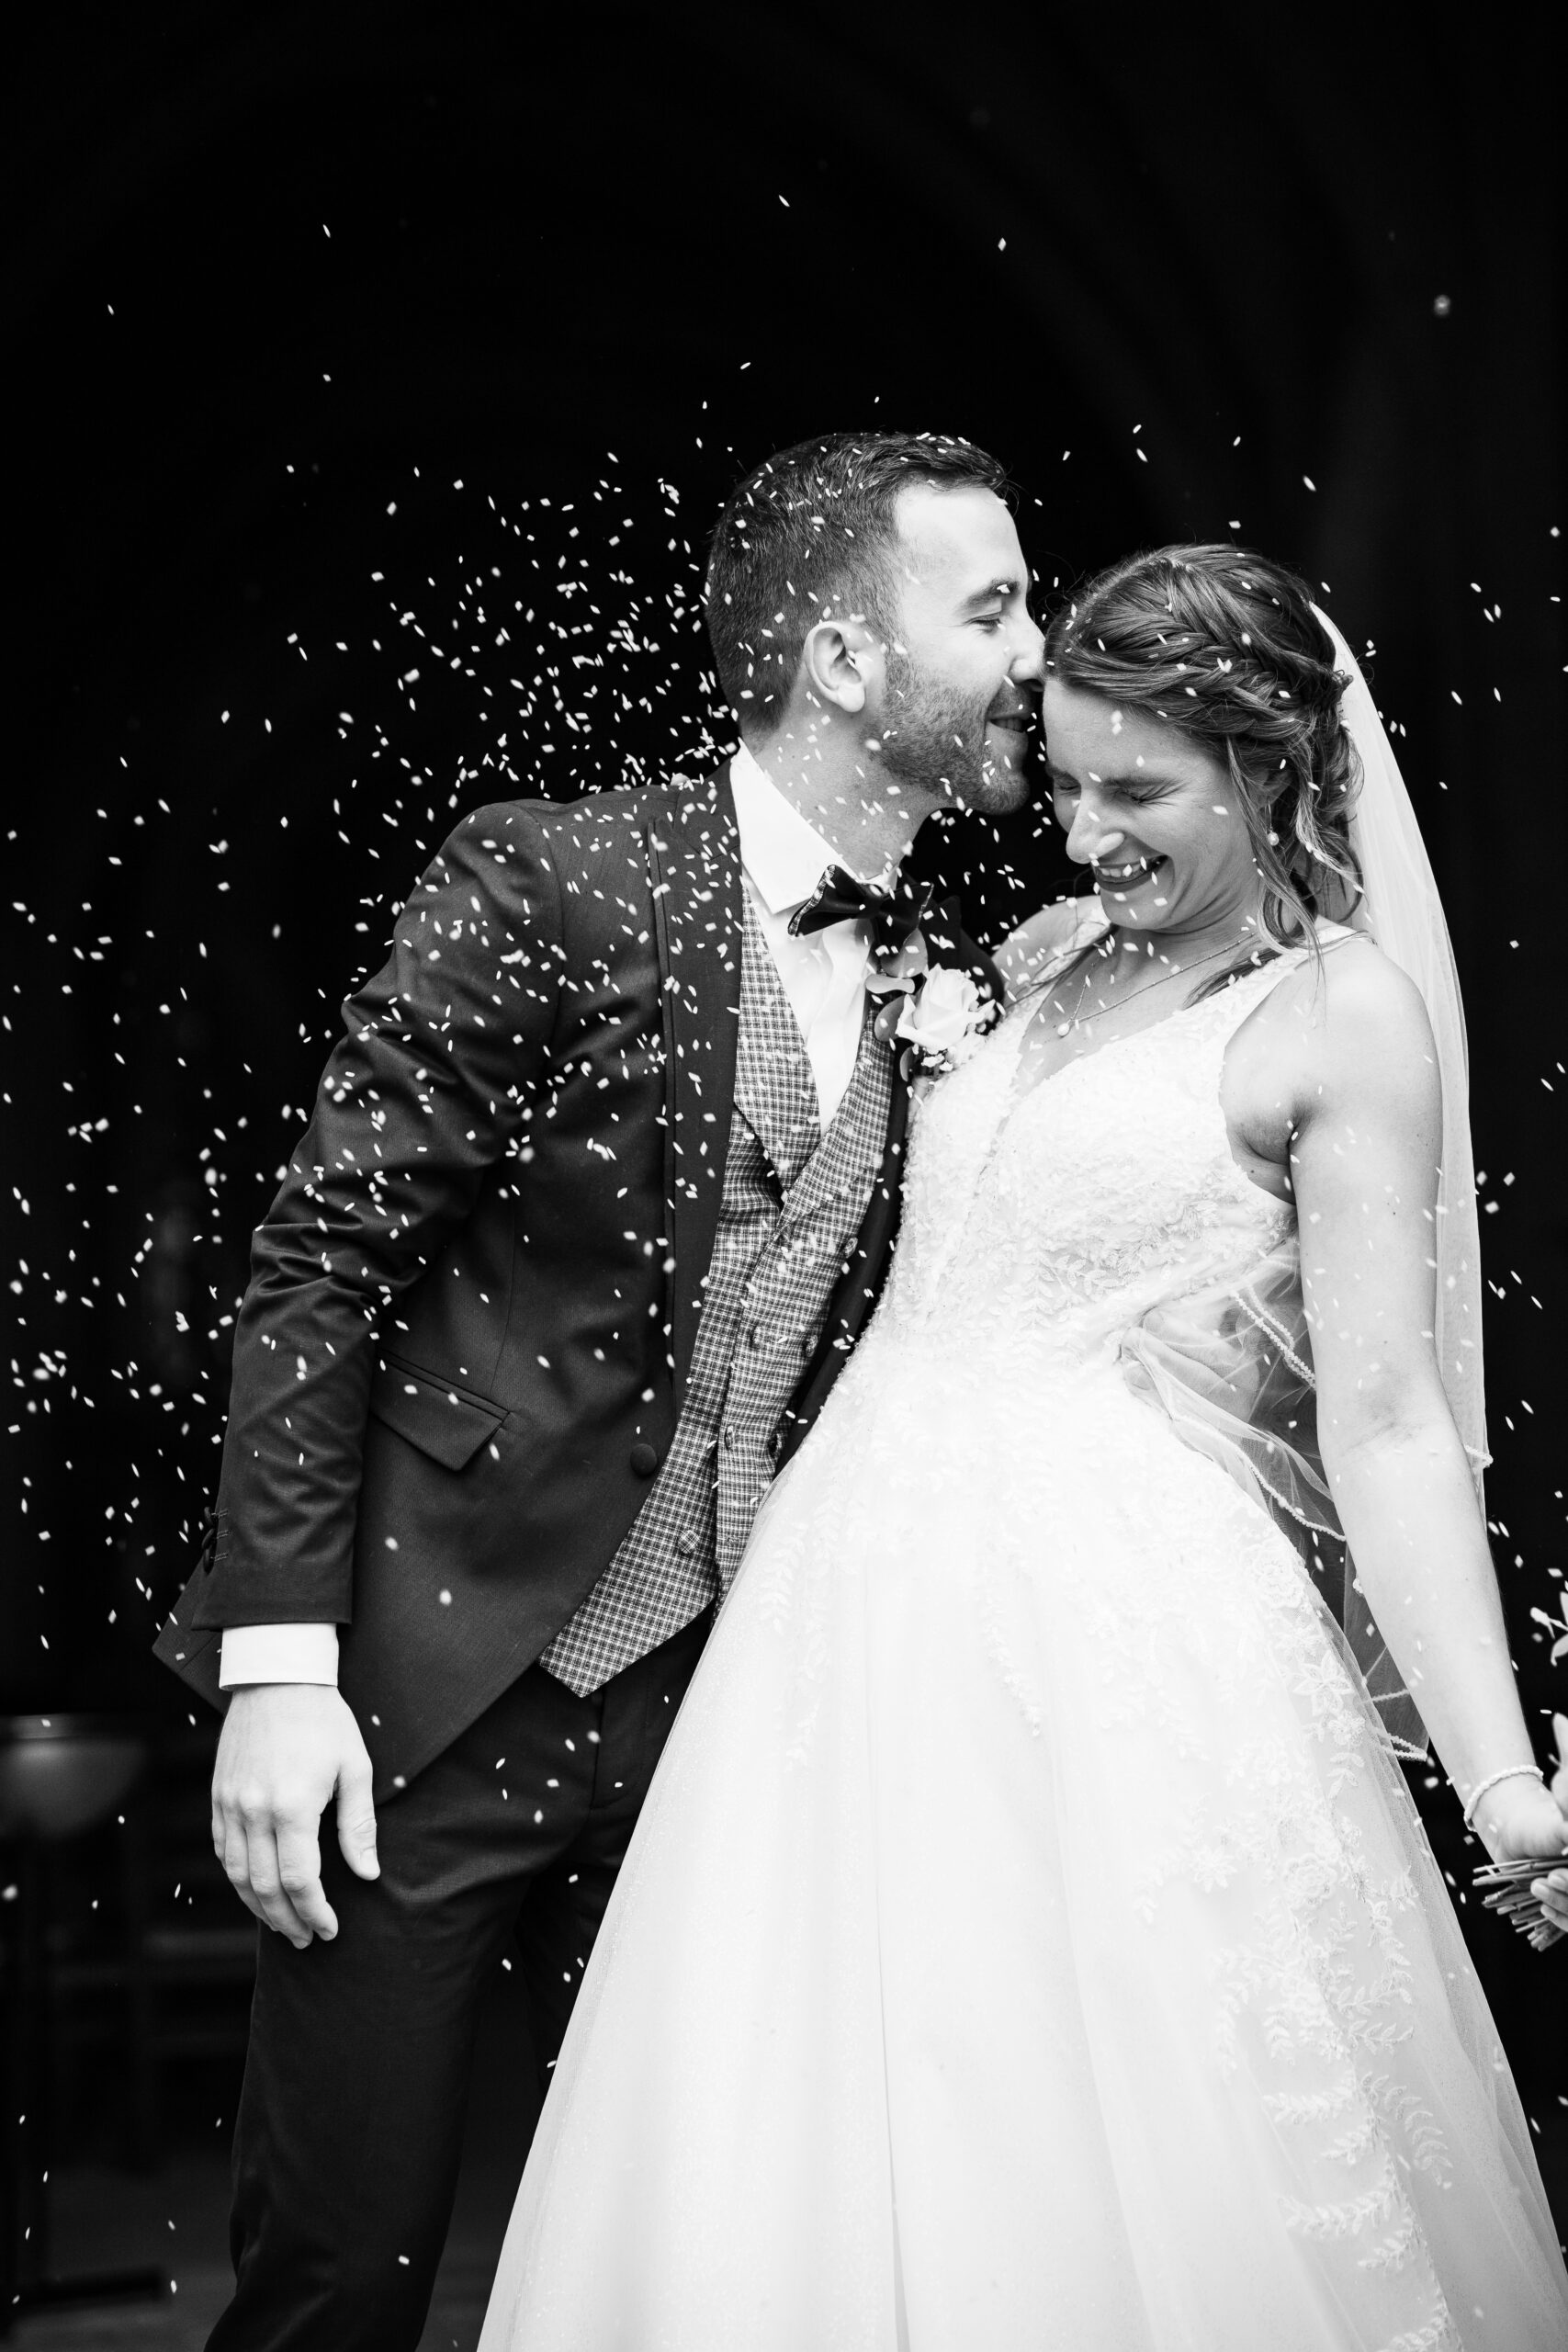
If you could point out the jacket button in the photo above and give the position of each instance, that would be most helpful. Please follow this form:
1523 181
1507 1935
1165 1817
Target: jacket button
643 1458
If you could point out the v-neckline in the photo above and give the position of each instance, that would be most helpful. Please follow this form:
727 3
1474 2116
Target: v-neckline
1016 1100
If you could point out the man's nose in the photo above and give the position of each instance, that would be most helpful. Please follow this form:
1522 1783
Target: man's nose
1028 664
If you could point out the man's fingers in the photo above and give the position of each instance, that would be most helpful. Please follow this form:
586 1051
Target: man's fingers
284 1749
300 1876
234 1853
243 1836
274 1869
356 1817
266 1884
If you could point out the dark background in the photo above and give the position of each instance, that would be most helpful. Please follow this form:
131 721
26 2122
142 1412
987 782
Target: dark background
368 341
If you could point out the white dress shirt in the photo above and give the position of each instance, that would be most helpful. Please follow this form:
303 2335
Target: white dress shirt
782 859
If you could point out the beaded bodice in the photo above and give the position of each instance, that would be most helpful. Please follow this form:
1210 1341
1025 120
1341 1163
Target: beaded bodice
1039 1225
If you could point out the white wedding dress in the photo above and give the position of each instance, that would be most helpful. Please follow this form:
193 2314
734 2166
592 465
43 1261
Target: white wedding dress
1029 1939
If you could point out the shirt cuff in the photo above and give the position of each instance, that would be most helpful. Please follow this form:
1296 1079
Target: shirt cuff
279 1653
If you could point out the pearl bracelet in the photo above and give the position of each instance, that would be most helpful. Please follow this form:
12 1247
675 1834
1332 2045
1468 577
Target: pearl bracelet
1508 1772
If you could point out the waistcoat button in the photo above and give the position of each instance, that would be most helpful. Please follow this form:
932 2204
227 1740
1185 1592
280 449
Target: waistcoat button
686 1541
643 1458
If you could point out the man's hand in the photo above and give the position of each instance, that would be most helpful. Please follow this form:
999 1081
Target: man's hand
285 1747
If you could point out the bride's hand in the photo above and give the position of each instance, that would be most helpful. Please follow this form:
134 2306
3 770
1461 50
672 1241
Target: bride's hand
1519 1820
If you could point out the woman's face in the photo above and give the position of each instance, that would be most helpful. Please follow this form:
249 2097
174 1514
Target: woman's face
1152 814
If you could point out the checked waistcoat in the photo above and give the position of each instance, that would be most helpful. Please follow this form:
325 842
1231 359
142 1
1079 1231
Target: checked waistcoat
793 1202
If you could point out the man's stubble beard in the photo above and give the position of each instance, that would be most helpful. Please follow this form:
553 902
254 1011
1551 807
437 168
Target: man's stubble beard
934 743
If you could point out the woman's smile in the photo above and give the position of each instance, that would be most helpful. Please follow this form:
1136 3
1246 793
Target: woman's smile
1126 875
1124 782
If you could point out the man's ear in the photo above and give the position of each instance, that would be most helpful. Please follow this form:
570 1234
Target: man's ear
837 660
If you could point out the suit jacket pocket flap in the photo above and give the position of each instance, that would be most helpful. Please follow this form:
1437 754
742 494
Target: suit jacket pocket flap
440 1422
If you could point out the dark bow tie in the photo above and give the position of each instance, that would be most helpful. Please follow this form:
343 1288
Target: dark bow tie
838 897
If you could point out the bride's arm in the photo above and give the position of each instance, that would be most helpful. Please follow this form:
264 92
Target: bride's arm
1363 1164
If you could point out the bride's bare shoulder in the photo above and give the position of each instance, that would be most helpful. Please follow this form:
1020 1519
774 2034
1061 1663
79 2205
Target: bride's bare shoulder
1045 939
1343 1036
1349 1014
1349 983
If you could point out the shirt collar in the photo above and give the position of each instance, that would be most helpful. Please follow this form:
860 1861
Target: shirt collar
784 857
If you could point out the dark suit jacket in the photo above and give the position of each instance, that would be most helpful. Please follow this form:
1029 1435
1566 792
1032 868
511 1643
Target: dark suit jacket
473 1302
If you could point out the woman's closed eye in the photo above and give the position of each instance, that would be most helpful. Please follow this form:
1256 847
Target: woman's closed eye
1139 796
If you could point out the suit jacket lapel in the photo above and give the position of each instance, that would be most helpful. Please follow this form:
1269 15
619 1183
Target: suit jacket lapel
866 1269
693 854
860 1284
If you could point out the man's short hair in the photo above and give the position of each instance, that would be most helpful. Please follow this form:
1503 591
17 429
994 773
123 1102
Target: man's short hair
813 533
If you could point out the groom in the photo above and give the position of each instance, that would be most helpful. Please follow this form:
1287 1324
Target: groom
599 1190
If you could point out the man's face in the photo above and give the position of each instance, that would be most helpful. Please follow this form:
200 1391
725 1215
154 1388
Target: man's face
961 680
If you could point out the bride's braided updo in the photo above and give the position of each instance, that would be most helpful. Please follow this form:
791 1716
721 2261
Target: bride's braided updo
1224 645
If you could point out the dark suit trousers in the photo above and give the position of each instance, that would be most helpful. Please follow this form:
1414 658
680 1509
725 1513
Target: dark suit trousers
350 2121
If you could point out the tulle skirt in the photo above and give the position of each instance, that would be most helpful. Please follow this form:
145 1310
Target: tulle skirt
1029 1940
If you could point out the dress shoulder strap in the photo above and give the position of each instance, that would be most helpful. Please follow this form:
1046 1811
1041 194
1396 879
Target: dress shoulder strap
1247 989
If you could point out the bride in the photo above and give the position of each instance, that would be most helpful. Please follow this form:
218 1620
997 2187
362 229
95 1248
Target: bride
1030 1937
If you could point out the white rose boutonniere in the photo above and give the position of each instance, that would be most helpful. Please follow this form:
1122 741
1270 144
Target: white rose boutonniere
936 1010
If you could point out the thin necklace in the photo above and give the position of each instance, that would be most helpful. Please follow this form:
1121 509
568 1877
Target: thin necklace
1078 1018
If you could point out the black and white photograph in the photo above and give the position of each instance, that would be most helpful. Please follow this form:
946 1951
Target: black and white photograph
785 1085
